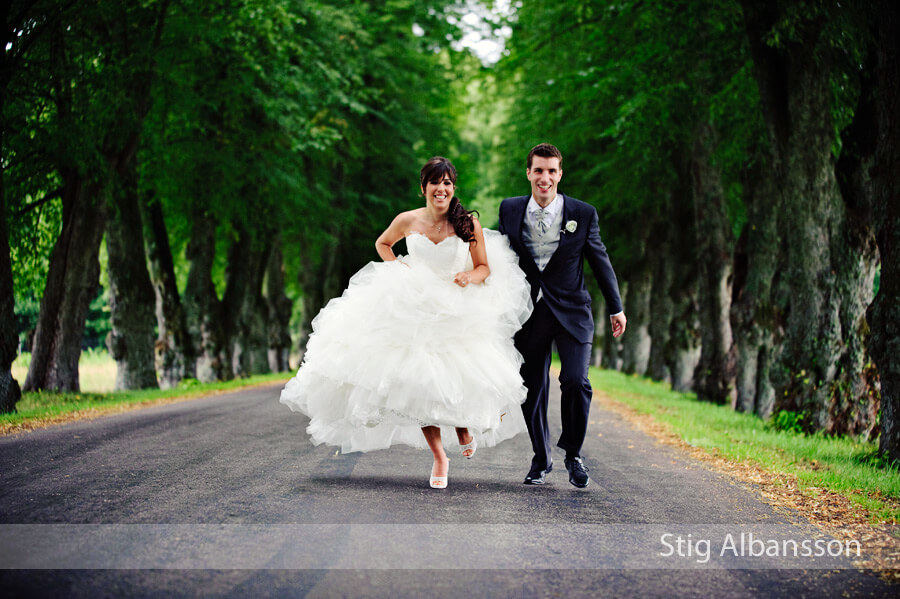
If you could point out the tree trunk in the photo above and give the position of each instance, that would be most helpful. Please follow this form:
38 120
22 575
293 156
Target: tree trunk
869 173
174 353
636 344
131 300
662 304
203 310
256 314
72 282
674 322
760 291
319 283
279 312
830 267
599 342
682 352
9 339
9 387
759 294
714 377
819 369
884 313
74 270
132 339
611 354
245 309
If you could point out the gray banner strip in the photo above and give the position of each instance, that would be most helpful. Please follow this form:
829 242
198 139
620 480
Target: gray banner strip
419 546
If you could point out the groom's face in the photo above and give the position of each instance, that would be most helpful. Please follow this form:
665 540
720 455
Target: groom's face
544 175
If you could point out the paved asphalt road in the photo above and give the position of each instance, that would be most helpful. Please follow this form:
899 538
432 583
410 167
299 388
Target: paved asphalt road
226 497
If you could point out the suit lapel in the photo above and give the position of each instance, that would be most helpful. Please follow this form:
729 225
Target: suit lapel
519 220
565 238
515 233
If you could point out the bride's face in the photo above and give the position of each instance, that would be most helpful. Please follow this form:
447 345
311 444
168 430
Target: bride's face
438 195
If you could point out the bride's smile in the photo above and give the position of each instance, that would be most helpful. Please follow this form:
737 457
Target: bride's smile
439 194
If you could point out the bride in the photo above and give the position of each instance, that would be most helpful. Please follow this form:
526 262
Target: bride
420 342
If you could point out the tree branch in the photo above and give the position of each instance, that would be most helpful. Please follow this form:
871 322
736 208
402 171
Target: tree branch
54 195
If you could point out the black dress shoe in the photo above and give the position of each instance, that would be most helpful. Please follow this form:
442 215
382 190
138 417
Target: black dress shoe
536 475
578 475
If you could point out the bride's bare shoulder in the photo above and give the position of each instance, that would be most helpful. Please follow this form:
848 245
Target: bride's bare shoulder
410 216
411 221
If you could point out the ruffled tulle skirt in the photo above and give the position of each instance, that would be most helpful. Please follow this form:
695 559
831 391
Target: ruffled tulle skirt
405 347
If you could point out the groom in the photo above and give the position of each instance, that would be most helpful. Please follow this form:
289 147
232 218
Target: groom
553 233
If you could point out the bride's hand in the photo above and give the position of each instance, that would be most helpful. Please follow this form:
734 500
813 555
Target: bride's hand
462 279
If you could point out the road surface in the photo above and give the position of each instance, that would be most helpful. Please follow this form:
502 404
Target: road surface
225 496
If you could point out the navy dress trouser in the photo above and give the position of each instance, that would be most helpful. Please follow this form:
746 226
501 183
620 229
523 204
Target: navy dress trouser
535 342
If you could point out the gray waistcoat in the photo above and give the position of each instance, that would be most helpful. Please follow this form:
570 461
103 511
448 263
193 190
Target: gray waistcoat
542 246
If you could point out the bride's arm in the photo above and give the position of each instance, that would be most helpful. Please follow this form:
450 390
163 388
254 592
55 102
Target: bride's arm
394 233
480 269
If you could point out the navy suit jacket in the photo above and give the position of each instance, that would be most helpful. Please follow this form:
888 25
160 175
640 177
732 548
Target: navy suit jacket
562 281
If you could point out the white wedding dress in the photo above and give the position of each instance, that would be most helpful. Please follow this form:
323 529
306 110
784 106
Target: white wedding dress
405 347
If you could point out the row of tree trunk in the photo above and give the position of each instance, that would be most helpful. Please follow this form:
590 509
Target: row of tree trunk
784 316
158 337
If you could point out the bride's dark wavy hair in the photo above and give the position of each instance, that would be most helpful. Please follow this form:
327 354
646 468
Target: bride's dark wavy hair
459 218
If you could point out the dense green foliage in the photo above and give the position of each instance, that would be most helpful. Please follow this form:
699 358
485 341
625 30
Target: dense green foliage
277 138
304 117
619 88
703 132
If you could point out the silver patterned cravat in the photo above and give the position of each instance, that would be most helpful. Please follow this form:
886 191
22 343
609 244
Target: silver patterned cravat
542 216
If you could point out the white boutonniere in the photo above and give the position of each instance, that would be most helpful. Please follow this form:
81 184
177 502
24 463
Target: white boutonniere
571 226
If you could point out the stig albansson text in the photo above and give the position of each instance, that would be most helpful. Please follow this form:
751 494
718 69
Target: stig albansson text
749 545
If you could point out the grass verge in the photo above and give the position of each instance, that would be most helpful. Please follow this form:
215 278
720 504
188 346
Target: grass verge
840 484
852 468
45 408
96 370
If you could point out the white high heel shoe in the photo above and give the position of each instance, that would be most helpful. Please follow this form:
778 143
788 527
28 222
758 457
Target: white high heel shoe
439 482
471 445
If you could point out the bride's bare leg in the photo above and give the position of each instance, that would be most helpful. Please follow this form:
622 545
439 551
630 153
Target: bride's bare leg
441 461
464 436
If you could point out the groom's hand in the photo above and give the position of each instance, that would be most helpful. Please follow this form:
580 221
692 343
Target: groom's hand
618 324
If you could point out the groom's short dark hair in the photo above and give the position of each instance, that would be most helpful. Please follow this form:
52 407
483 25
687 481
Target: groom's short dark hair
544 151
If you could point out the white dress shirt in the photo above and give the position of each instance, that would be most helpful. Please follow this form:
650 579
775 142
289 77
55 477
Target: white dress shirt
552 209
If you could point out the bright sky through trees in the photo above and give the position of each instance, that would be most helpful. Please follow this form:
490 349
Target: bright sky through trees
485 28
